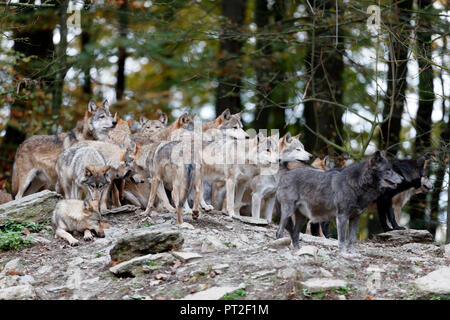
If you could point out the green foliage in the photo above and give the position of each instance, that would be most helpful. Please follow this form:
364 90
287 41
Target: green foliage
12 234
236 295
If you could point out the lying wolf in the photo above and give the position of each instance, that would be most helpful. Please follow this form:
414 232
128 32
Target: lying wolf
77 215
341 194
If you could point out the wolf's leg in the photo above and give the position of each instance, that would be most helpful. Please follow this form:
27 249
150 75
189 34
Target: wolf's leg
178 203
202 202
198 194
325 226
353 230
287 209
151 198
392 217
268 207
115 195
162 195
382 209
88 235
239 194
63 234
230 188
299 222
256 205
341 223
24 186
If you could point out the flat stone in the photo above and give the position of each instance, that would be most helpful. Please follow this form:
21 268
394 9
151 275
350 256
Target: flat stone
214 293
34 208
142 264
186 256
251 220
288 273
142 242
123 209
186 225
221 266
263 273
213 244
22 292
436 283
405 236
307 250
323 284
282 242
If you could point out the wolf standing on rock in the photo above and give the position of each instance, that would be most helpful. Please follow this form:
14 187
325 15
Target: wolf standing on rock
323 195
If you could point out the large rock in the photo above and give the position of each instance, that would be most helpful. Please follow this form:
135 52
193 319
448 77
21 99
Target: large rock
436 283
213 244
214 293
35 208
323 284
23 292
142 264
144 242
405 236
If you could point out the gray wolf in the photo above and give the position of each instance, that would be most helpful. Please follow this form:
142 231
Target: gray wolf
236 162
263 187
148 128
413 173
35 159
176 166
77 215
82 168
341 194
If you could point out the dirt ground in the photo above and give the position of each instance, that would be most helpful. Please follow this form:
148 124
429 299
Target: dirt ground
247 257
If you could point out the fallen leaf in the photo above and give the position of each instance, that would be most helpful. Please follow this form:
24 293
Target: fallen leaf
368 298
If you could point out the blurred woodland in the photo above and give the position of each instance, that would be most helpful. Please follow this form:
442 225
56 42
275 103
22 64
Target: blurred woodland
309 66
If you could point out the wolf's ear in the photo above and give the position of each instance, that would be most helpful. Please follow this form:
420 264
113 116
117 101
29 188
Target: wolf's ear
130 123
88 171
183 118
92 107
106 104
163 118
192 117
326 161
86 205
116 117
421 162
376 158
105 169
226 115
287 137
297 136
142 120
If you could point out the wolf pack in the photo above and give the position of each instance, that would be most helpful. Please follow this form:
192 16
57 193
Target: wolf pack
189 167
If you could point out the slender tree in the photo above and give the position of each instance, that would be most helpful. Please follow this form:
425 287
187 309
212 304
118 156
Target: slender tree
123 25
394 100
228 93
325 68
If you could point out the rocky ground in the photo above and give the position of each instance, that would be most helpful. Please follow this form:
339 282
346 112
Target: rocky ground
215 257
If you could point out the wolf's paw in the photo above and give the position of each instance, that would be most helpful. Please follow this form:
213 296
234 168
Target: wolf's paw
399 228
208 207
195 214
73 242
88 236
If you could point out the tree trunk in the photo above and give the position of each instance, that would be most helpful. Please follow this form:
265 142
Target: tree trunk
61 60
394 99
230 71
123 25
326 67
85 40
418 203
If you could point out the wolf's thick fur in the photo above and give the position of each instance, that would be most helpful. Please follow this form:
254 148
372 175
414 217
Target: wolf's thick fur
35 159
77 215
225 160
176 166
263 187
341 194
148 129
82 168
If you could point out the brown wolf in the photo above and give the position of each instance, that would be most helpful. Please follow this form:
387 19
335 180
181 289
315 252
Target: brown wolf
77 215
148 129
35 159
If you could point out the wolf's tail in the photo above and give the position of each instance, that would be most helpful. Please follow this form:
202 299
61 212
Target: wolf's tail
190 171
